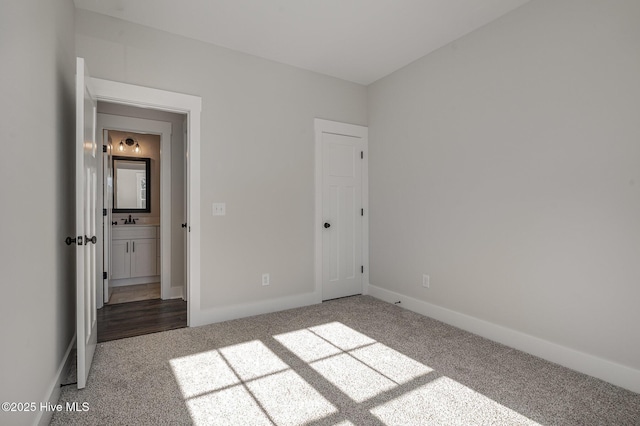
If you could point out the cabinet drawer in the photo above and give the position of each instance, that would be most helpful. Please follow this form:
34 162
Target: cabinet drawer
127 232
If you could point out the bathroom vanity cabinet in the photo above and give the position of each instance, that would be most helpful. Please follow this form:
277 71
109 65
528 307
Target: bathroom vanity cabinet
134 251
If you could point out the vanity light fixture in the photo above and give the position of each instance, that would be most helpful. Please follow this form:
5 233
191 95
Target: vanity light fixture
129 142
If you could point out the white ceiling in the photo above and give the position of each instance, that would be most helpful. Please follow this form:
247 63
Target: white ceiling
356 40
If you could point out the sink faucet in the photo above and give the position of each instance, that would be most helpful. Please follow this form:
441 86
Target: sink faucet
130 221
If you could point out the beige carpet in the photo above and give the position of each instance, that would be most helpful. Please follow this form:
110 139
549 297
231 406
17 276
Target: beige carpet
354 361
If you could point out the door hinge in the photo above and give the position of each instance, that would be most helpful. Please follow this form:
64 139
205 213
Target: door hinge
361 212
362 269
104 148
361 154
104 212
104 275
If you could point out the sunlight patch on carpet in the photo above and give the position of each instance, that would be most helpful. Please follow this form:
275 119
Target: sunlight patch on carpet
248 383
289 399
202 373
359 366
307 346
232 406
391 363
352 377
340 335
446 402
253 359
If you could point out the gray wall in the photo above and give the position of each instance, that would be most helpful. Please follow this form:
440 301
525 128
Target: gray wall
256 154
37 117
177 178
507 166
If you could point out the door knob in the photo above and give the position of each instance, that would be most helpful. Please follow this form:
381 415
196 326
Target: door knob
92 240
70 240
184 225
327 225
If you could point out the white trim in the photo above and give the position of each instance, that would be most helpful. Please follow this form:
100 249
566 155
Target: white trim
123 282
326 126
317 219
53 392
175 293
227 313
609 371
365 218
102 285
129 94
164 130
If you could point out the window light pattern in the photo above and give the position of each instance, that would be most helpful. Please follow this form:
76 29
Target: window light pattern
248 383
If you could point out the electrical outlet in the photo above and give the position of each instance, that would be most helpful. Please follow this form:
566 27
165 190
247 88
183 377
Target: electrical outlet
265 279
425 281
219 209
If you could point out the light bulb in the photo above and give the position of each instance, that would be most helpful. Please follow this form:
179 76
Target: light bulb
137 148
121 148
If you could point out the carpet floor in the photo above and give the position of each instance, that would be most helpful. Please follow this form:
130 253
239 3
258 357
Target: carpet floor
353 361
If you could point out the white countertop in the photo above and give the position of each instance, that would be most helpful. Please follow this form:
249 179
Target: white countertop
120 225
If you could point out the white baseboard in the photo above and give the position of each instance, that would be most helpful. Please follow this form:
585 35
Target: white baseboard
175 293
617 374
213 315
53 393
134 281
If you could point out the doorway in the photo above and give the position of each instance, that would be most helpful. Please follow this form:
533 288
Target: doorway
167 209
145 213
162 100
132 197
191 106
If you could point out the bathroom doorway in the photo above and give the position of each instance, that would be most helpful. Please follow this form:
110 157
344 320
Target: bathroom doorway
144 215
133 252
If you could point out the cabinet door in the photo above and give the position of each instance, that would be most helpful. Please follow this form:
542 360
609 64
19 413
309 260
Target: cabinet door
143 258
120 259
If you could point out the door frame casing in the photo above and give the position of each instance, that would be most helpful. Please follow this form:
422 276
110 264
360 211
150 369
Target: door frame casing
106 219
145 97
334 127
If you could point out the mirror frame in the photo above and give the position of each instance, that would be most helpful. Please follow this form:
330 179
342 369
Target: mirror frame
147 162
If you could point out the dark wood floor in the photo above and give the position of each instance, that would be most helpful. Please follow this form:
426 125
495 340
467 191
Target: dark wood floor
143 317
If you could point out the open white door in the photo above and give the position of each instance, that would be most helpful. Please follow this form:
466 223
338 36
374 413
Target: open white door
86 222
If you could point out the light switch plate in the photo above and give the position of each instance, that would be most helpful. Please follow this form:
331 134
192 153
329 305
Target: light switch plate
425 281
219 209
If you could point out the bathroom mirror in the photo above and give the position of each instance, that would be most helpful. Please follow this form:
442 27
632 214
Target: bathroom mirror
131 185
